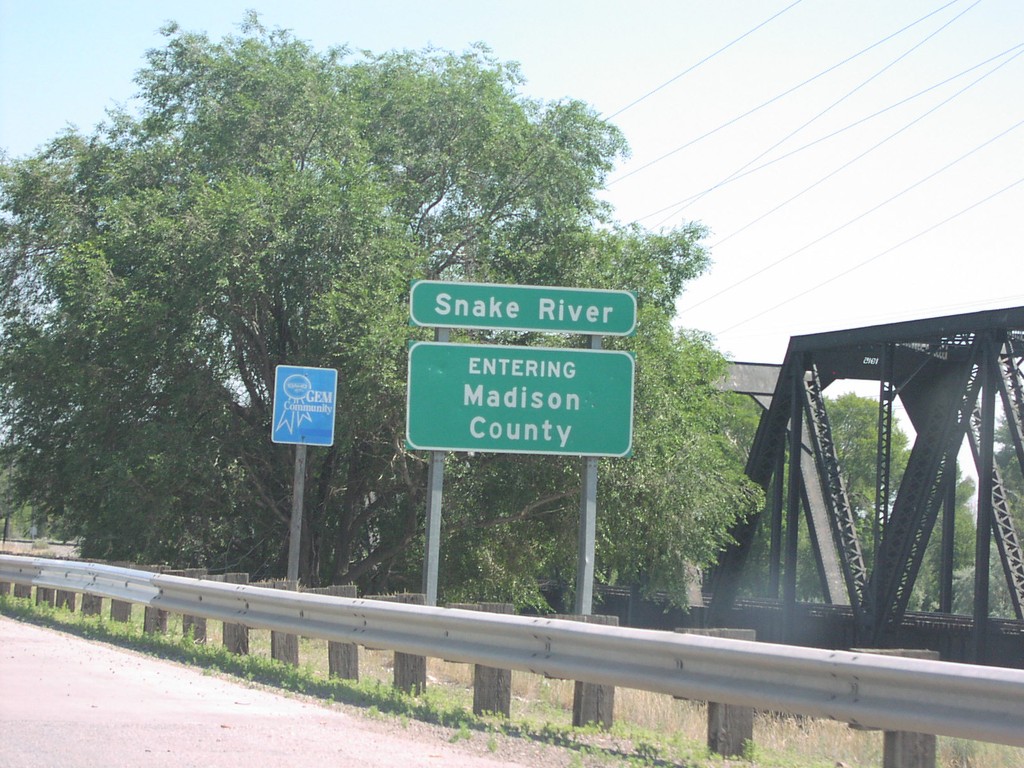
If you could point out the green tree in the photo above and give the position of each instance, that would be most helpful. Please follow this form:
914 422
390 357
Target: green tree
268 204
854 422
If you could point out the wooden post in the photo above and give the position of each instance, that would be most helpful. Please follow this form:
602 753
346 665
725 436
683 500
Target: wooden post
5 588
23 591
66 599
730 726
492 686
410 670
92 605
593 702
342 658
906 749
46 595
120 610
283 646
235 636
196 626
154 620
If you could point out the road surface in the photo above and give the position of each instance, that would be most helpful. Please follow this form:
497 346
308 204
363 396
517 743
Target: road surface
67 702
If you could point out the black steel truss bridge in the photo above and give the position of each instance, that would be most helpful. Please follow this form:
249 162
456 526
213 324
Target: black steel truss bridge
951 375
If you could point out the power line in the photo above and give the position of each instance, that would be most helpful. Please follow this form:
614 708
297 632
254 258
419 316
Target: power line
832 135
868 151
877 256
839 101
857 218
777 97
707 58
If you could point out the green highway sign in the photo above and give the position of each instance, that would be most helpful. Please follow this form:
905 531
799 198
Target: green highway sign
501 399
595 312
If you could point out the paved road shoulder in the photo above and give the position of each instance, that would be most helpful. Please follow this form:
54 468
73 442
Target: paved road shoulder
75 703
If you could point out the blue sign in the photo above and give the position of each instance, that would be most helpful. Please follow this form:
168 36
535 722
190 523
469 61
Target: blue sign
304 401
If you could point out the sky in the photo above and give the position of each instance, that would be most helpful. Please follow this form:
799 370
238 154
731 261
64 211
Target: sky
855 163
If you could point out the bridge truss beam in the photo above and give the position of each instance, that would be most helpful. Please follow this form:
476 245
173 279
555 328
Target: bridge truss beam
945 372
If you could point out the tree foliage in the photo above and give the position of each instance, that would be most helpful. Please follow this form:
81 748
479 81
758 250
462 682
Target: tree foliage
268 204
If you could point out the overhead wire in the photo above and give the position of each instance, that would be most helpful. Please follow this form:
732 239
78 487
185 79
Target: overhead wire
706 59
877 256
834 104
832 135
871 149
857 218
778 96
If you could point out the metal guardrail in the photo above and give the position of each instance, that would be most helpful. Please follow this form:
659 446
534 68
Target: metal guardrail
874 691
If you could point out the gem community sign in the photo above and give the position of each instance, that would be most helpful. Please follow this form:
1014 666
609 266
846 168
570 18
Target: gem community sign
304 400
488 398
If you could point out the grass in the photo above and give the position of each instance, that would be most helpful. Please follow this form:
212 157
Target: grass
650 729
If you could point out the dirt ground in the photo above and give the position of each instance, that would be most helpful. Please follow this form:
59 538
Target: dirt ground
37 548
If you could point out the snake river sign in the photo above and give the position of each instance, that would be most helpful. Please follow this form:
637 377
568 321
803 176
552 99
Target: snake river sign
595 312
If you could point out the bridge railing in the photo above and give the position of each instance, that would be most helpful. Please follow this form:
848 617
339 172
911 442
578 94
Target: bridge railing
867 690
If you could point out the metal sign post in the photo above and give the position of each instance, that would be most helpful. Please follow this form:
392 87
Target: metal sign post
304 401
588 528
295 528
435 487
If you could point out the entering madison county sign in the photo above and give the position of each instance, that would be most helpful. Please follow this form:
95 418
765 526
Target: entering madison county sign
488 398
595 312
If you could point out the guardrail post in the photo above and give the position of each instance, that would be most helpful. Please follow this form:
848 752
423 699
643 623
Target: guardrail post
593 702
730 726
342 658
235 636
283 646
154 620
492 686
906 749
92 605
120 610
410 670
194 625
66 599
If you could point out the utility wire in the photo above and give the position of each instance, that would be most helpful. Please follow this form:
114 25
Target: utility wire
832 135
868 151
857 218
707 58
877 256
775 98
839 101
